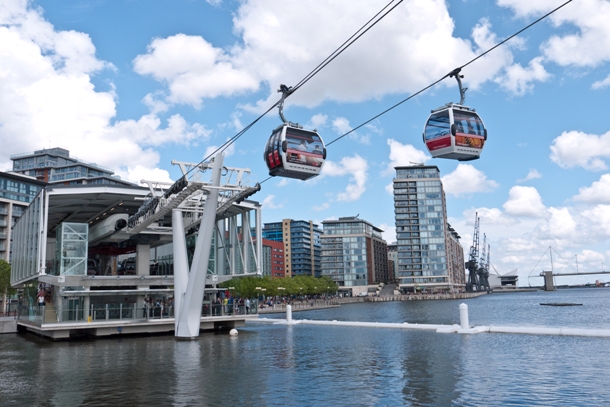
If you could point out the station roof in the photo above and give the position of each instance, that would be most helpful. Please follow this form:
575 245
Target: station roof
91 203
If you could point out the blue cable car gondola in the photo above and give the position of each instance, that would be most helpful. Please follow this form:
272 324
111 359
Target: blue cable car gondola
293 152
455 131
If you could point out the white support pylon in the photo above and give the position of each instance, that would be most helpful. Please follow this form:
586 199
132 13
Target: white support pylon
188 319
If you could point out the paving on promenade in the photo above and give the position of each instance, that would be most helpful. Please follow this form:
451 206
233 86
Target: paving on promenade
336 302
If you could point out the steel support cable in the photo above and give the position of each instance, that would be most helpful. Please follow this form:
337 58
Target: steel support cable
310 75
452 72
349 42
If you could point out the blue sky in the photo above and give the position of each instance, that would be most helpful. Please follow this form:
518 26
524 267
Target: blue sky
134 84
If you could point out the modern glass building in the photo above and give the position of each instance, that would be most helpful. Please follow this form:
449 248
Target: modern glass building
55 166
16 193
354 254
427 253
302 246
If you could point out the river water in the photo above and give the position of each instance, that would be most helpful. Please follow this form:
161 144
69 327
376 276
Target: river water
306 365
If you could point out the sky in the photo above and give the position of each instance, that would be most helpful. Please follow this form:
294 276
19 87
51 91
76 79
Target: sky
134 84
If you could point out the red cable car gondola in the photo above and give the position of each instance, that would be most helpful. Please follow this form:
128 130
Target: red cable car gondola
455 131
292 152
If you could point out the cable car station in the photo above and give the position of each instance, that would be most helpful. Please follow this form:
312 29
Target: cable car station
69 239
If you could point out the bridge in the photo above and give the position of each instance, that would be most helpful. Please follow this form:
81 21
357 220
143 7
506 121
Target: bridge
548 276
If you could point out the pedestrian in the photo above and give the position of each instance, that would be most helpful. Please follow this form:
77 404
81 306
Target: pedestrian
247 305
41 302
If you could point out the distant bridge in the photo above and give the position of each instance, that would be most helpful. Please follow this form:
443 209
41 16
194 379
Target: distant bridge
549 285
542 274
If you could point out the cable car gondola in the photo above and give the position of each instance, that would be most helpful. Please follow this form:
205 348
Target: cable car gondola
293 152
455 131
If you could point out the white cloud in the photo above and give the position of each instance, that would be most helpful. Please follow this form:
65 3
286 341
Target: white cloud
389 232
589 46
48 99
519 80
532 174
321 207
269 203
139 173
268 54
318 121
404 155
560 225
598 219
228 151
524 202
529 8
578 149
341 126
598 192
466 180
489 216
601 84
193 69
357 168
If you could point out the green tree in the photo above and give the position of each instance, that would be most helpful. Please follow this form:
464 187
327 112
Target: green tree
5 281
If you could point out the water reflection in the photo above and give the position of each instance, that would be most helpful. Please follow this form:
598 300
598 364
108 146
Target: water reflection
186 369
306 365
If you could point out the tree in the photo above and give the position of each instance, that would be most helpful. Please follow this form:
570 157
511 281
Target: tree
5 281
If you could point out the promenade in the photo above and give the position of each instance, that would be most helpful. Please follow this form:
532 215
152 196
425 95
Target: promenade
308 305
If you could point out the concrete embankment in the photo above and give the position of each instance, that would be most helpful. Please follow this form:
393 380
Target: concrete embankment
424 297
336 302
8 325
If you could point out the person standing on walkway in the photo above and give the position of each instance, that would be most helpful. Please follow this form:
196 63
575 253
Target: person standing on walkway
247 305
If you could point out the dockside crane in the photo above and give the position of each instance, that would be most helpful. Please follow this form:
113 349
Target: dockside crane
472 283
483 270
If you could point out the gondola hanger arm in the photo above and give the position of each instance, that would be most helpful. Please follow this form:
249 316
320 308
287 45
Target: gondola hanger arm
285 91
456 74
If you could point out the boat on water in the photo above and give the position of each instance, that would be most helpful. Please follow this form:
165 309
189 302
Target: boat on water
560 304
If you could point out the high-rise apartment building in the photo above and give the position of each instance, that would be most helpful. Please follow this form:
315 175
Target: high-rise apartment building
301 240
354 253
393 260
55 166
430 256
16 193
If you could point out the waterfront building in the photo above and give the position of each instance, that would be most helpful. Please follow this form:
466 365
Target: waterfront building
430 256
393 260
55 166
16 193
273 259
301 245
455 258
354 255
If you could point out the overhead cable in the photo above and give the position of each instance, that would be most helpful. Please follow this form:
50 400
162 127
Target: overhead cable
457 69
359 33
